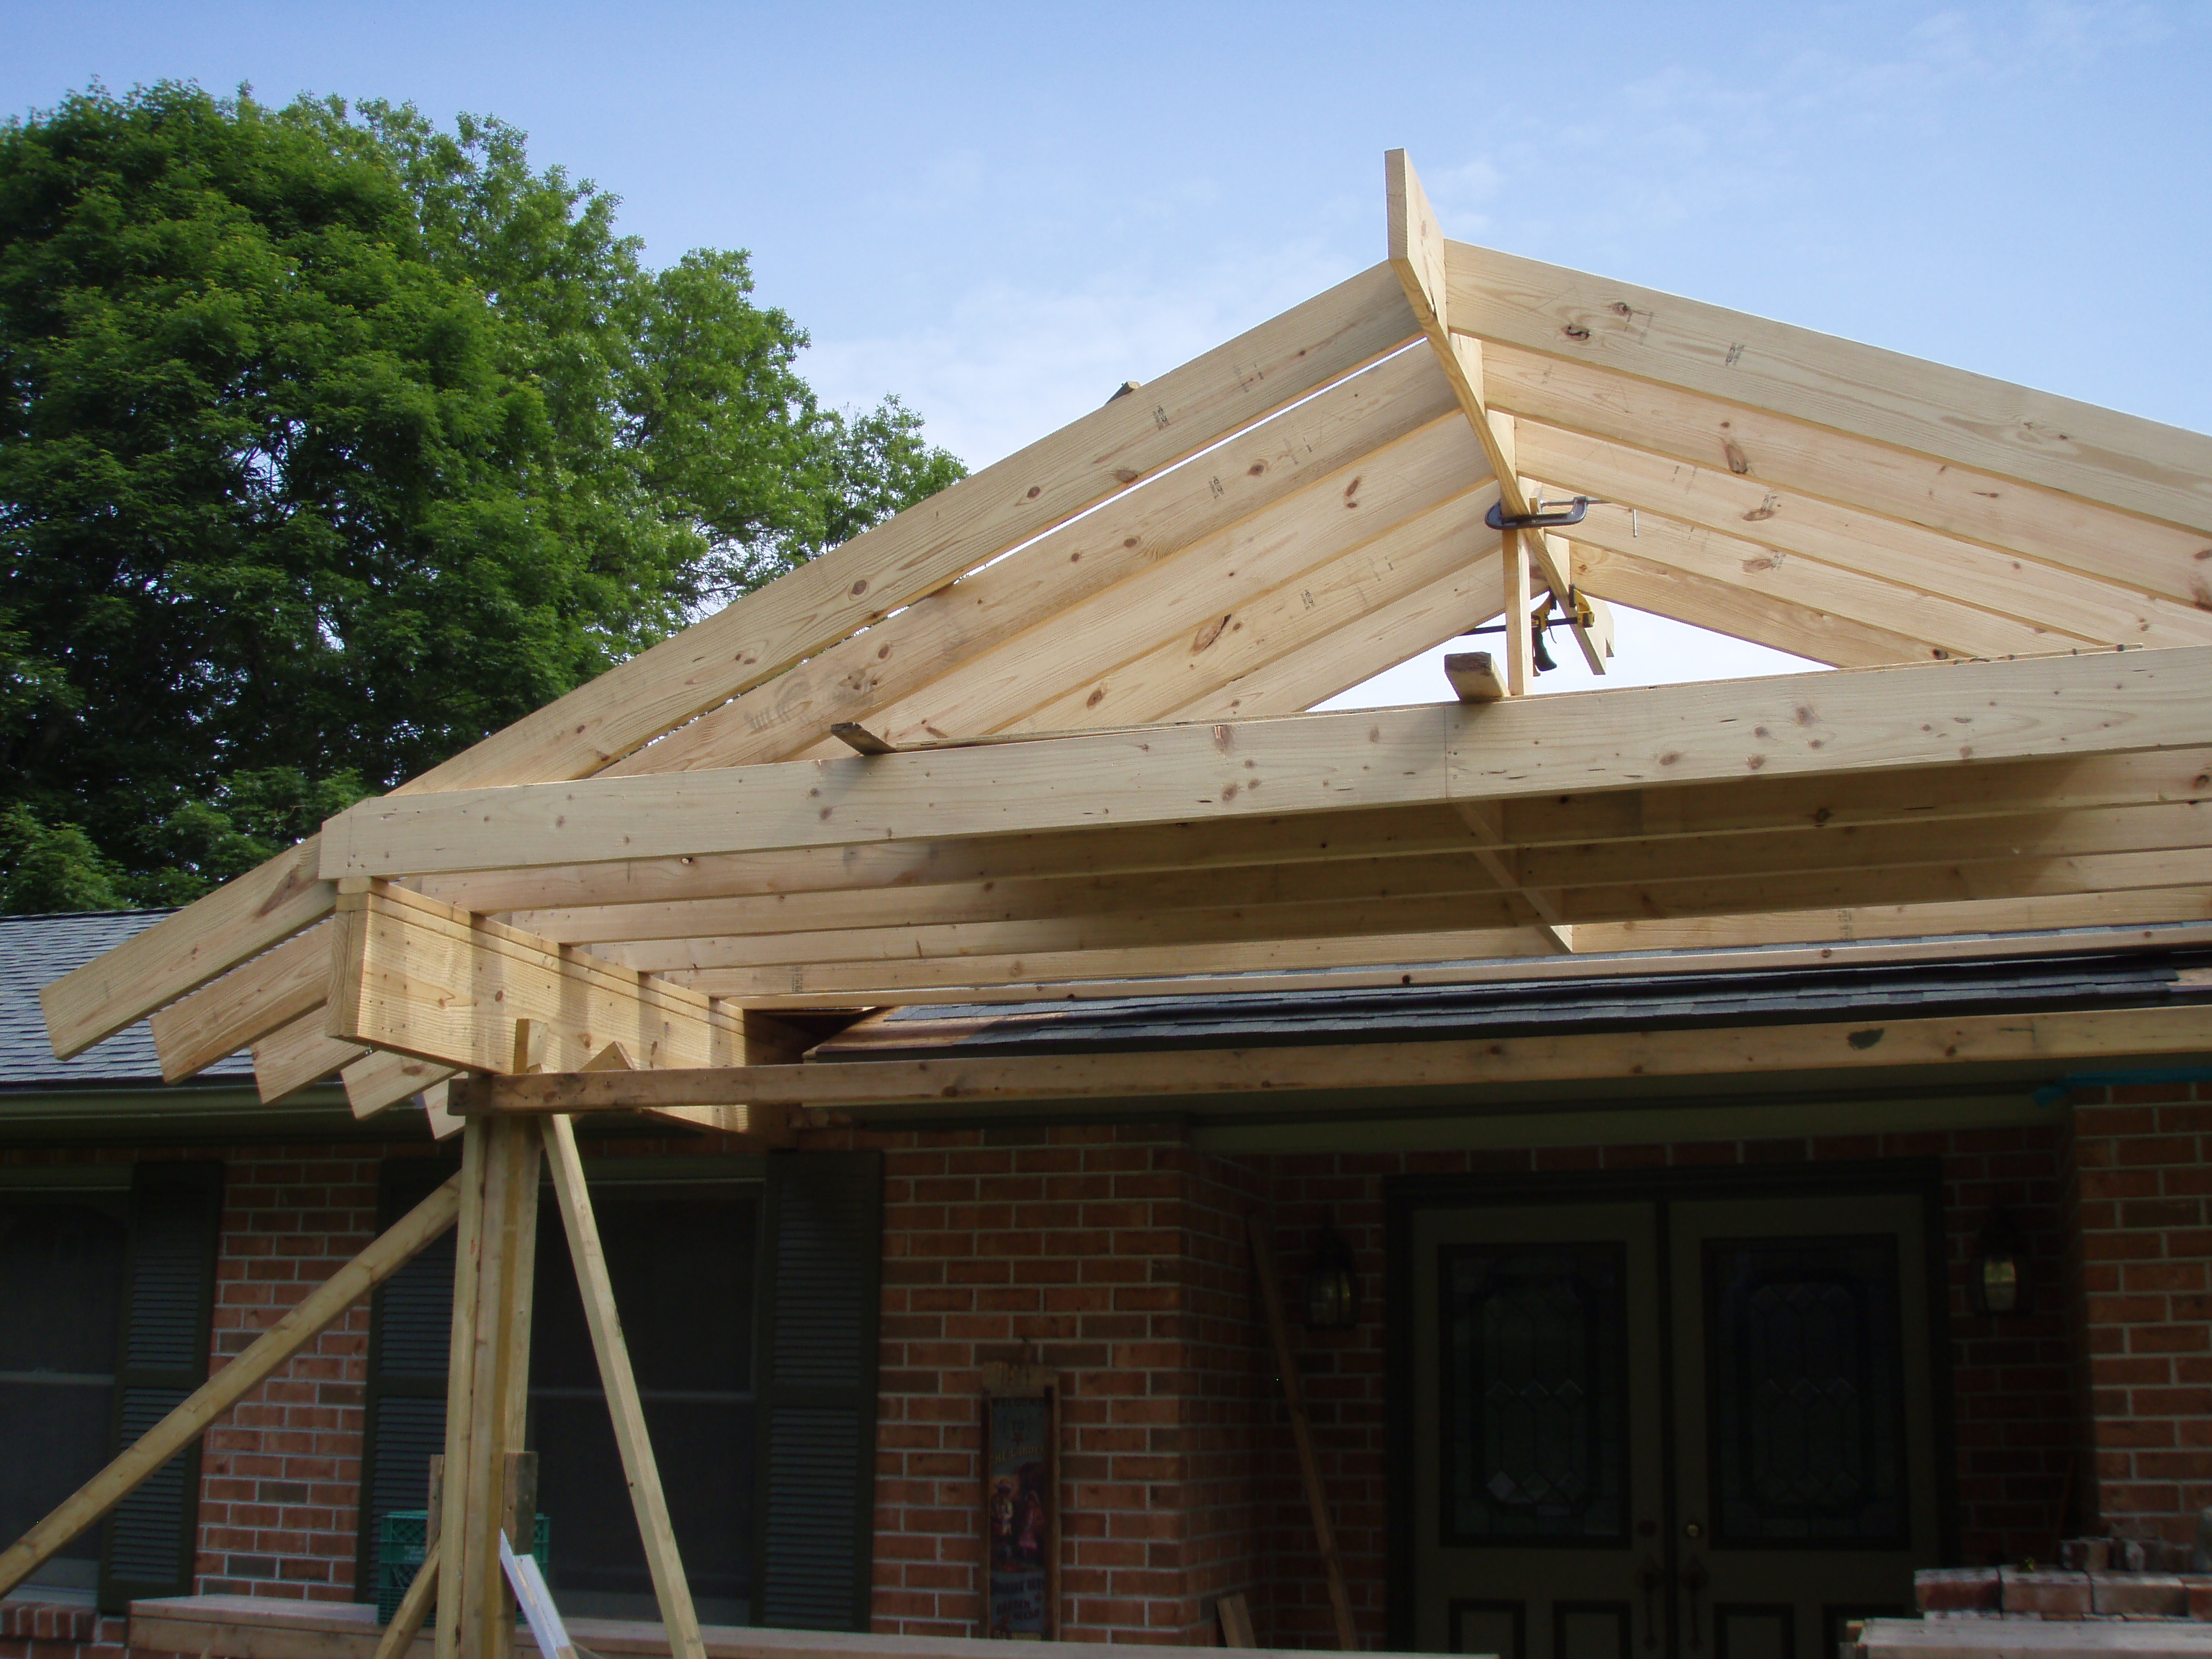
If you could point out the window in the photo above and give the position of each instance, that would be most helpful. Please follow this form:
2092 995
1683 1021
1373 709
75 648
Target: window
107 1277
763 1424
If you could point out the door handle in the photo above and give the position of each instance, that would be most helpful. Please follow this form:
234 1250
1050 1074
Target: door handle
1648 1579
1694 1580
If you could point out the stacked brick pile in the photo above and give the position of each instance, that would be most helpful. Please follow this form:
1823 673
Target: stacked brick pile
2095 1579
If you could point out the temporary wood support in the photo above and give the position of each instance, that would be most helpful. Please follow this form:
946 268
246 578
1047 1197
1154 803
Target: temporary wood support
1791 726
1286 1363
662 1559
1369 1067
269 1350
487 1383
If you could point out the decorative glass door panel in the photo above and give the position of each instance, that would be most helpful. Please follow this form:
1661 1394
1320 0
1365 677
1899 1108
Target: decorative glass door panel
1669 1427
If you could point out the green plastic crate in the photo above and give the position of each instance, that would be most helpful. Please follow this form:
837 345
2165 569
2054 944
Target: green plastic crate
399 1544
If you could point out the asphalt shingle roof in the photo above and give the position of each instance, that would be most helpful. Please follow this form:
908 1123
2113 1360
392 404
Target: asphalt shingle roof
35 950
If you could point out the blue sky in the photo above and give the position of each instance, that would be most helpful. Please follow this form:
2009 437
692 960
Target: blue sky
1002 212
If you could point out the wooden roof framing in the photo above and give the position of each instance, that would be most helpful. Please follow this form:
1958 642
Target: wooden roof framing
1150 597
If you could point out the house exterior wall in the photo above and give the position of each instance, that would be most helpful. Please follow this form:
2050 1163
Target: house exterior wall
1116 1257
2140 1178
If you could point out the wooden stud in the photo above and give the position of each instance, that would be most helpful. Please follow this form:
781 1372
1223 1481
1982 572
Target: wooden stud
300 1326
624 1405
1474 676
1286 1363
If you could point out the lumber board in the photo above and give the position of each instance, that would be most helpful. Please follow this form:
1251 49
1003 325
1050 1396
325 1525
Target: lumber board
267 1627
1480 894
1377 1066
801 614
1189 668
625 1406
1379 638
1695 960
1044 975
1819 725
1416 246
1405 870
243 1006
447 987
181 953
380 1079
1921 796
1474 676
1190 598
298 1053
1935 625
1672 589
298 1326
2122 461
896 658
2061 600
454 1468
2041 526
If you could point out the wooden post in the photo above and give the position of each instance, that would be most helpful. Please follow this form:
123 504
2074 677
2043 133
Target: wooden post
1270 1295
1520 643
486 1394
425 1222
678 1615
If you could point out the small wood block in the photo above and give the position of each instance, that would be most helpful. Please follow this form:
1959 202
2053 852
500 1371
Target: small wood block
1475 675
857 737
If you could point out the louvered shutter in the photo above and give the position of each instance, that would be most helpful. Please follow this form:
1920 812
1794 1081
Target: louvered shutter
815 1488
410 1332
168 1289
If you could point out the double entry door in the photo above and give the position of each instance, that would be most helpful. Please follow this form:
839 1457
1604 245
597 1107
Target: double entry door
1695 1426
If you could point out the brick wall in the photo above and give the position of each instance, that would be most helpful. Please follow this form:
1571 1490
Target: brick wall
2142 1168
1116 1258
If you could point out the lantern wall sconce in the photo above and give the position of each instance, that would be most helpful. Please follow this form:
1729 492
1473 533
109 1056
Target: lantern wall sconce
1331 1284
1997 1282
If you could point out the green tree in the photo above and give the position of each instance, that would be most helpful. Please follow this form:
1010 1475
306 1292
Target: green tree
330 442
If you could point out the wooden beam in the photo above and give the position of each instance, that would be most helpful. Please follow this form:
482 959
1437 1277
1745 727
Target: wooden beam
661 896
1930 563
1875 605
1201 979
2123 462
1418 256
1742 610
1065 673
496 1362
801 614
298 1327
378 1080
945 633
2043 528
182 953
1824 725
624 1405
298 1053
1850 1045
243 1006
1191 669
1406 957
427 980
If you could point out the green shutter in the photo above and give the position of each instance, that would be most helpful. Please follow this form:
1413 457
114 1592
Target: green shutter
410 1333
176 1209
814 1480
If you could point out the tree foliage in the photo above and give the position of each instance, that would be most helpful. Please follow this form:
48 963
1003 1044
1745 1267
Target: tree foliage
330 442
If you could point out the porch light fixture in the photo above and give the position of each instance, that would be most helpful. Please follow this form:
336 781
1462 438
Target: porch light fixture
1331 1284
1999 1281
